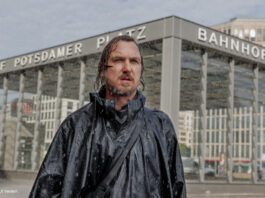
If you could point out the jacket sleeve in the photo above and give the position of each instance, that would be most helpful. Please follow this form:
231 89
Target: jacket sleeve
49 180
175 162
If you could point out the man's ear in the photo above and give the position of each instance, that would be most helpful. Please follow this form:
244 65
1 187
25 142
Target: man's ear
102 74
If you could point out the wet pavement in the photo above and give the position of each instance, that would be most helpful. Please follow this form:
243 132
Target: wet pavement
20 188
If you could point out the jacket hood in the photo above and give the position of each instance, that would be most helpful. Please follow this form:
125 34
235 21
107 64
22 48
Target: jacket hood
107 106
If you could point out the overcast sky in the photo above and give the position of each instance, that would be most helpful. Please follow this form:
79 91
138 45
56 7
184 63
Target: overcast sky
29 25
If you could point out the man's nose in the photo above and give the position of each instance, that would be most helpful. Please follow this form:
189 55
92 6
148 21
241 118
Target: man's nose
127 66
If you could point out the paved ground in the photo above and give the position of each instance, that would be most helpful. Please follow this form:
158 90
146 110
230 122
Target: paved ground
15 188
223 190
20 188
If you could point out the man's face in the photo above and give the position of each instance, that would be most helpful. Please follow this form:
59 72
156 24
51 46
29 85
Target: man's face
123 75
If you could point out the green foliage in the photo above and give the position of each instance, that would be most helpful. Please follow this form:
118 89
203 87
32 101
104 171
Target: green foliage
184 150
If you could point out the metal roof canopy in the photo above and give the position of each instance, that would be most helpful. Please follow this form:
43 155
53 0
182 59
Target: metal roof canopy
171 26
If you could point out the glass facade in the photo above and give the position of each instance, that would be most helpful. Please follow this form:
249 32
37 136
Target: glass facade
152 57
59 95
218 102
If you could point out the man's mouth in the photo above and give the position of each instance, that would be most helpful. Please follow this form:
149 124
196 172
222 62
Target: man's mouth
126 78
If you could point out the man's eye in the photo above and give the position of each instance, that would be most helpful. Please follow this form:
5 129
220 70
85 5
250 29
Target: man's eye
117 60
134 61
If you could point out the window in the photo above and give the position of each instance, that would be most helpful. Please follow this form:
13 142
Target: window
242 150
247 137
237 150
69 105
223 136
247 151
242 136
258 136
217 123
243 122
237 136
259 34
213 123
212 136
246 33
207 151
237 122
183 139
248 121
252 34
223 122
217 150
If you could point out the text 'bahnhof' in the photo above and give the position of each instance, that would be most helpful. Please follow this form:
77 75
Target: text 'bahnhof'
211 84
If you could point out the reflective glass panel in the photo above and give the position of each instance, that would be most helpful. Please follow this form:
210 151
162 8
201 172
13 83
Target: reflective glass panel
48 107
28 120
11 123
243 98
189 109
152 57
216 105
261 120
91 74
1 93
70 86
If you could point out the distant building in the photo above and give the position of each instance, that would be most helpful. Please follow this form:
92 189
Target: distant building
47 115
216 137
185 127
250 29
25 145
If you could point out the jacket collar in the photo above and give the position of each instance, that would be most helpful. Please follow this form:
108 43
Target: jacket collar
107 106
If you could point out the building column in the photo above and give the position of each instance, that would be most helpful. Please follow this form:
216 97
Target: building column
82 82
170 78
254 122
19 118
35 157
3 119
202 113
58 104
230 114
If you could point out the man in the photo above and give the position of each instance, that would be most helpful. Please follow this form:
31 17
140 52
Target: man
91 139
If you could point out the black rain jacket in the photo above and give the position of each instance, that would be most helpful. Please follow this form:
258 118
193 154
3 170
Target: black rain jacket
90 138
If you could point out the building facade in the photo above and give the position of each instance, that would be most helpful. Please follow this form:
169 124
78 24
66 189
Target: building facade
250 29
205 80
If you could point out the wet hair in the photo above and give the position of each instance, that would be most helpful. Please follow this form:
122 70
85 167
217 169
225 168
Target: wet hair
100 81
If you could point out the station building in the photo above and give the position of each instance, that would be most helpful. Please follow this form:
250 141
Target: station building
211 84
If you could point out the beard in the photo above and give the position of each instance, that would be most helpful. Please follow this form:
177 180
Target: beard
114 91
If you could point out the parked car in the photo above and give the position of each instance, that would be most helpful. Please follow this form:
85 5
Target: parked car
191 167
